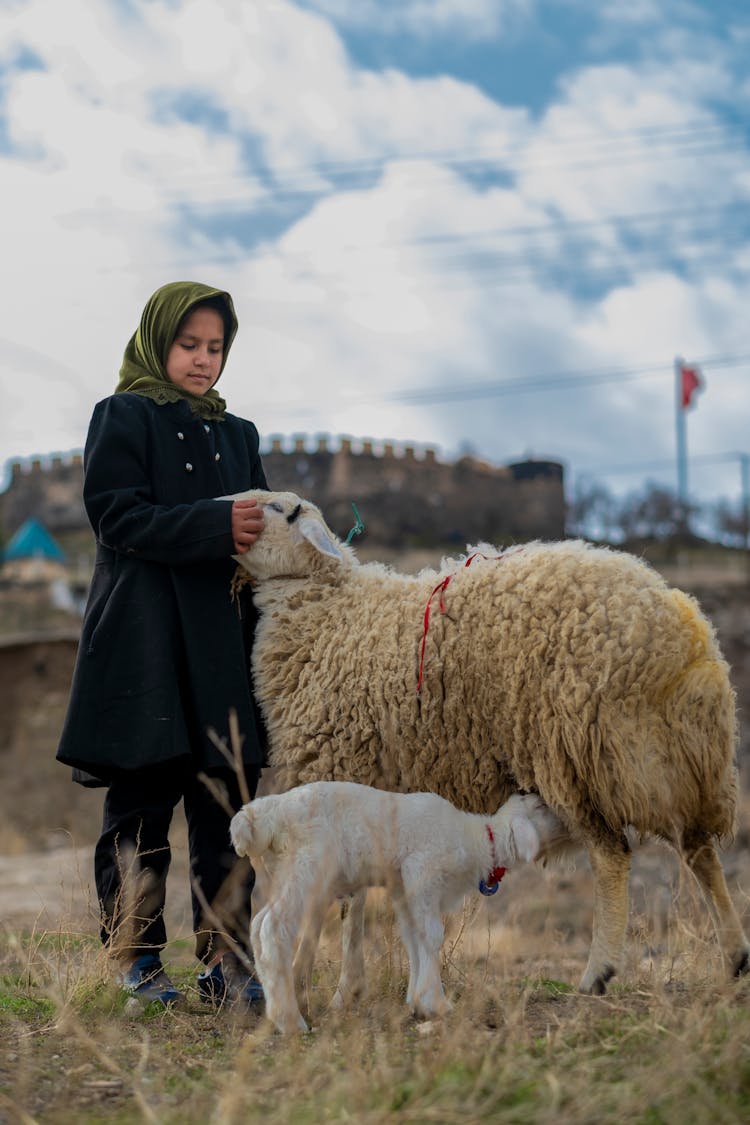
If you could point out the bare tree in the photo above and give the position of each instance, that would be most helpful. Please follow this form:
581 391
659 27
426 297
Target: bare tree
591 510
732 523
655 512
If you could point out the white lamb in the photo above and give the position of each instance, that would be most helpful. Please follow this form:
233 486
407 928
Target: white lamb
337 838
557 668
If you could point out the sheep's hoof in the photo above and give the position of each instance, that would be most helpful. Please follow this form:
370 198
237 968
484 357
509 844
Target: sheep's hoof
598 985
741 964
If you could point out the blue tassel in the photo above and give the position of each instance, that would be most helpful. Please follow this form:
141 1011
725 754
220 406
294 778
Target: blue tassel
358 528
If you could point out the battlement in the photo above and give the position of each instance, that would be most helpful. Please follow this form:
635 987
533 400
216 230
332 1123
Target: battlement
407 495
347 446
51 463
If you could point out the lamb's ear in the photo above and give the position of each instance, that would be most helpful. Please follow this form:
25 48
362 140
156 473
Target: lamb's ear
316 534
524 839
240 832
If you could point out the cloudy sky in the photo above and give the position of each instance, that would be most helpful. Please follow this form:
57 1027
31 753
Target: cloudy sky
484 225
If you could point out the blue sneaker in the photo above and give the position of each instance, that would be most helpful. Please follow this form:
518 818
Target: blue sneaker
146 982
228 982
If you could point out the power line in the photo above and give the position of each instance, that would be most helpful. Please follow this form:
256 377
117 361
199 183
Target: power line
651 143
470 268
550 382
558 228
667 463
686 133
474 254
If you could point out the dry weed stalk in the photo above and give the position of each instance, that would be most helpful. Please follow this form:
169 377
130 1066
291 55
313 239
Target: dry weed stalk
43 972
18 1111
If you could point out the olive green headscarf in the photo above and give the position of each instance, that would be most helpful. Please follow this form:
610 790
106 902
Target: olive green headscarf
143 371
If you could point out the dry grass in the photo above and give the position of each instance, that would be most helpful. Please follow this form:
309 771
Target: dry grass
671 1043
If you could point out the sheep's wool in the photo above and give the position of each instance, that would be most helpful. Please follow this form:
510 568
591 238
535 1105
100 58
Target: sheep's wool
572 670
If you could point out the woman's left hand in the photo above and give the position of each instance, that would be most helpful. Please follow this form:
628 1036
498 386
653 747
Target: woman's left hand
247 524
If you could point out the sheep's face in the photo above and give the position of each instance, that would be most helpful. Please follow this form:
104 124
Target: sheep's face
295 539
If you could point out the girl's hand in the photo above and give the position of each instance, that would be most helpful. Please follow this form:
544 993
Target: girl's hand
247 524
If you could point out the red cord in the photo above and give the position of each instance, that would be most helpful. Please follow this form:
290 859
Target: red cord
441 586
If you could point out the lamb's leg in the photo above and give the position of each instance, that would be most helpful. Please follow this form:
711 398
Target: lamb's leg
611 870
703 860
428 996
273 934
411 945
423 933
352 977
312 924
256 925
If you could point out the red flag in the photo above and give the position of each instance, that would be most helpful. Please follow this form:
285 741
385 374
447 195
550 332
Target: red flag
692 381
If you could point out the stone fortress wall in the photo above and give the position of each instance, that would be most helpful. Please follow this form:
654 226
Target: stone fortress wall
405 495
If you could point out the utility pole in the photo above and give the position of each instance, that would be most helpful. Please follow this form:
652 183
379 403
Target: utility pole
745 479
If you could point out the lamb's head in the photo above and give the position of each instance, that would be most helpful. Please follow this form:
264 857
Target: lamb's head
526 829
254 828
295 541
262 826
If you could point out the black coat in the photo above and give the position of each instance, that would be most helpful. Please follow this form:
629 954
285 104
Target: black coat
164 651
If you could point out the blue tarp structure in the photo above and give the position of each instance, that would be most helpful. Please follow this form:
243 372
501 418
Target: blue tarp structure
33 541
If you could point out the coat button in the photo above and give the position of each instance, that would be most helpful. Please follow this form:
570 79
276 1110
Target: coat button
217 457
188 468
180 435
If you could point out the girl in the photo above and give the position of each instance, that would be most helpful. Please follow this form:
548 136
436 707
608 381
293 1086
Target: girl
164 651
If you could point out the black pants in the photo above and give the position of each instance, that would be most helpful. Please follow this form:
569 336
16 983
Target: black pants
132 859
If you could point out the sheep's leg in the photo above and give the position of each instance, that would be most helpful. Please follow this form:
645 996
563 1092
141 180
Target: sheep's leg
352 977
273 935
703 860
611 870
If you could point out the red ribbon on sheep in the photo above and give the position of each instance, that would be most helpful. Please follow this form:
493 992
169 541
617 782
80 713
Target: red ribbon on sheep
442 586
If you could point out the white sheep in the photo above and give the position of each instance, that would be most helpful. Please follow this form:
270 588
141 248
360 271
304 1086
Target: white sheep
336 837
560 668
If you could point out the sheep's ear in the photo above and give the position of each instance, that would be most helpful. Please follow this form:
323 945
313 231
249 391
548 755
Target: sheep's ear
524 839
316 534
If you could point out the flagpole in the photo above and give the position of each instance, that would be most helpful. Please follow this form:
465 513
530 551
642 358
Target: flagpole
682 484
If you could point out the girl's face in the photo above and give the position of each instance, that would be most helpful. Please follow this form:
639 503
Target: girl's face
194 359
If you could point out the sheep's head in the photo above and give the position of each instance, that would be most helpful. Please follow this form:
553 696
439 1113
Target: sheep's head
295 542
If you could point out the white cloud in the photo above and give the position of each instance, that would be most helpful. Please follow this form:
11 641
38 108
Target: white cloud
282 75
404 267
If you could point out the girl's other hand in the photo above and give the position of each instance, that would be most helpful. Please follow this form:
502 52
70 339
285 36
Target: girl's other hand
247 524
